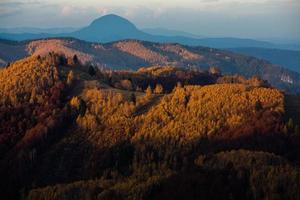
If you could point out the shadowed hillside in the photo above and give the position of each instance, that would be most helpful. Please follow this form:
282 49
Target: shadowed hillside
288 58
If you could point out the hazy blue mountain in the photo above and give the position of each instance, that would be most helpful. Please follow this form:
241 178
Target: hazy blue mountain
286 58
26 36
168 32
34 30
295 46
111 28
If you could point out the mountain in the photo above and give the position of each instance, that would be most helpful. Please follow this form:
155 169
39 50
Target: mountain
133 54
69 131
287 58
111 28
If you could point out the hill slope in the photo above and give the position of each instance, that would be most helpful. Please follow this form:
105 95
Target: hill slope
67 132
133 54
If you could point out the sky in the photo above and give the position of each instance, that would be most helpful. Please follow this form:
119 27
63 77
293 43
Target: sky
214 18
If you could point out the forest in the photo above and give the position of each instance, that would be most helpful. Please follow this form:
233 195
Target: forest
73 131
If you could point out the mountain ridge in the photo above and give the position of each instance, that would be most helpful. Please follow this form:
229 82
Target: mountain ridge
110 35
170 32
287 58
134 54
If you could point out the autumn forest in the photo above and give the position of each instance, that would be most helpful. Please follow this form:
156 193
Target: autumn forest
70 130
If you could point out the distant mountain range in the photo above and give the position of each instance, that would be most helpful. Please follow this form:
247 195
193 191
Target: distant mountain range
133 54
286 58
34 30
111 28
168 32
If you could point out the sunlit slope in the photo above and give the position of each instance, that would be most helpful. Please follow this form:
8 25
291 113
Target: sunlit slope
194 112
27 79
69 130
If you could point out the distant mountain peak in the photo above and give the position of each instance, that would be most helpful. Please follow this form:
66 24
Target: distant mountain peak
111 16
112 21
109 28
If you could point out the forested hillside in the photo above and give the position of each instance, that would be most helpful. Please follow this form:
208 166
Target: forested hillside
134 54
71 131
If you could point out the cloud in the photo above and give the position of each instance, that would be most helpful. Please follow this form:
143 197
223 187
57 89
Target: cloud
67 10
102 11
70 11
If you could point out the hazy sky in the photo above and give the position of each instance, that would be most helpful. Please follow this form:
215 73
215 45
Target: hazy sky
237 18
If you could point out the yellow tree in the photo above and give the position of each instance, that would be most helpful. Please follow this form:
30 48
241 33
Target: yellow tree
158 89
70 78
148 91
214 70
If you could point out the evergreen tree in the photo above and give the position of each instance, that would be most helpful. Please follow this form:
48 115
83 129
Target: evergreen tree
7 65
258 106
92 70
75 59
133 98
